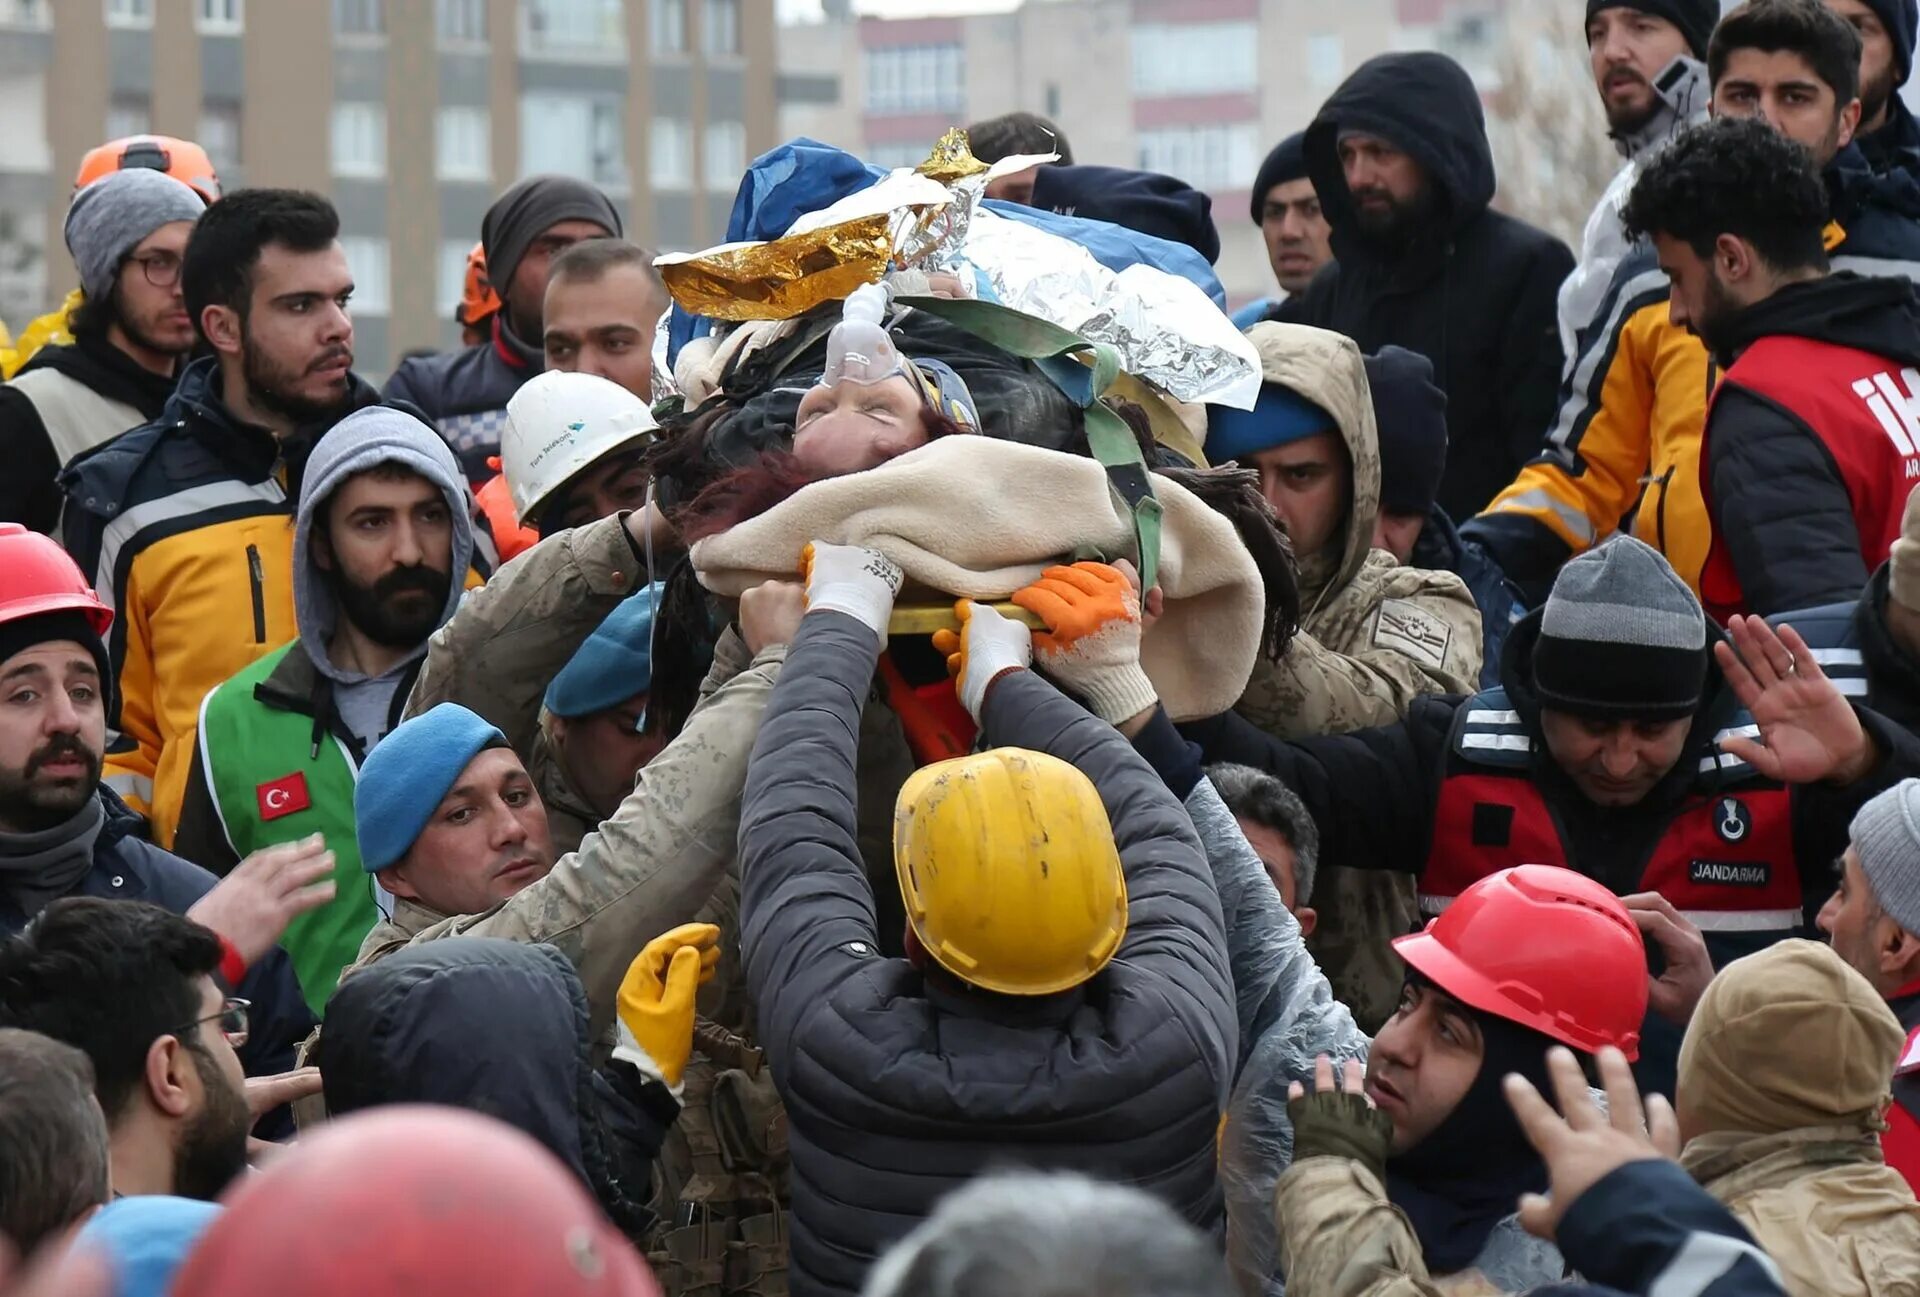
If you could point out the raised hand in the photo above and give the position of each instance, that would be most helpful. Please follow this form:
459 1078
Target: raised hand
1808 730
271 888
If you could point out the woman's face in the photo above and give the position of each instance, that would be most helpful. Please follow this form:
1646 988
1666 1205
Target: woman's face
850 427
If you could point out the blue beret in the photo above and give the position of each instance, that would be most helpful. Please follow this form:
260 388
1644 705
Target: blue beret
408 773
613 664
1280 417
146 1239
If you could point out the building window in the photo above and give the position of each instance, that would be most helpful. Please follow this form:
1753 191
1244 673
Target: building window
461 22
128 115
891 157
720 31
219 17
220 133
1053 99
463 144
32 14
667 26
725 159
575 27
368 259
1326 61
130 13
575 135
359 139
1194 58
451 285
1210 158
670 153
916 79
360 17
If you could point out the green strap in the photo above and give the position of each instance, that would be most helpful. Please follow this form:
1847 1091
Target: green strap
1108 436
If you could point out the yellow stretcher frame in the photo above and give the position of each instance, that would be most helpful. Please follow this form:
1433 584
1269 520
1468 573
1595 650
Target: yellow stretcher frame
925 619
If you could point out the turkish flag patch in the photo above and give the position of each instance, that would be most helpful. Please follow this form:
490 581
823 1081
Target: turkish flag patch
282 796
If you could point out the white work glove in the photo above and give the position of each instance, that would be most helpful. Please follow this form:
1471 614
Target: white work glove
1092 641
859 582
1903 571
985 645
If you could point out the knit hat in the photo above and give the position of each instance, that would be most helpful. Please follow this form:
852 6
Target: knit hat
1900 18
613 664
23 633
1143 201
531 208
1695 18
1621 637
1411 415
1787 1038
1288 161
109 218
145 1239
1279 417
404 778
1886 837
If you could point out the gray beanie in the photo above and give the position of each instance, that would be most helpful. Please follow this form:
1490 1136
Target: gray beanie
1621 637
110 217
1886 836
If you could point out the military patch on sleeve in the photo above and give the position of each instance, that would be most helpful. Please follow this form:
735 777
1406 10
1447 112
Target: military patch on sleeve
1406 627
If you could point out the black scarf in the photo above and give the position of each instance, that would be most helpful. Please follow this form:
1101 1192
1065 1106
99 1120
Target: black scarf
37 869
1464 1178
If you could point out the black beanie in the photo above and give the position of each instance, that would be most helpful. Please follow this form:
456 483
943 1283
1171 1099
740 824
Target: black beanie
531 208
1142 201
1288 161
71 624
1900 18
1411 415
1695 18
1621 637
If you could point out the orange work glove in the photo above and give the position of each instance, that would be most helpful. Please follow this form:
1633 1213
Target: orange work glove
1092 642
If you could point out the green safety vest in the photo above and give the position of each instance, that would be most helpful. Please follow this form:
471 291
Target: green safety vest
269 786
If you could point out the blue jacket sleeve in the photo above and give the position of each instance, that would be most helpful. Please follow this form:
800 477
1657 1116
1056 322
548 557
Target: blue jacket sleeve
1646 1227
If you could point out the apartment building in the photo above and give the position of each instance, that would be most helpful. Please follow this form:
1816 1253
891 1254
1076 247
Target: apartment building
410 114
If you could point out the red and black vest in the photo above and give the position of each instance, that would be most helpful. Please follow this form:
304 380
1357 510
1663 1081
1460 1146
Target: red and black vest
1901 1143
1864 410
1725 860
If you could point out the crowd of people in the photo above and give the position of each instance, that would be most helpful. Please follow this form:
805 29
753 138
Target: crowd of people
723 786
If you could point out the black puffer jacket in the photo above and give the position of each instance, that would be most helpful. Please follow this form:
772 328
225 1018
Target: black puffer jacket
501 1028
900 1085
1475 292
464 393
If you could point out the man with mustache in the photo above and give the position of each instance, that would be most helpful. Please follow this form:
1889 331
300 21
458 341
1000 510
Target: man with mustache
385 521
182 524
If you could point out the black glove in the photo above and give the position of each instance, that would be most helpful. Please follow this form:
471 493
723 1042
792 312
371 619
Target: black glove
1335 1123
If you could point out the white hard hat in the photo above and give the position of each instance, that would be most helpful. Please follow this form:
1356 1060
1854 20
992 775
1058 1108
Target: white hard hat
558 424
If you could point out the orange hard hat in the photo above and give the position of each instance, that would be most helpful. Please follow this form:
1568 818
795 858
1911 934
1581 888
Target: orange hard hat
1543 947
37 577
477 298
184 160
414 1201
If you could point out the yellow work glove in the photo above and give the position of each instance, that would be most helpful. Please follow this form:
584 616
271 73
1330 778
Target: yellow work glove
656 1001
986 645
1903 573
1092 641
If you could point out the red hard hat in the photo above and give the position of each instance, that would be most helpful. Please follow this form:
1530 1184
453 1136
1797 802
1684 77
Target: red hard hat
1544 947
414 1201
37 576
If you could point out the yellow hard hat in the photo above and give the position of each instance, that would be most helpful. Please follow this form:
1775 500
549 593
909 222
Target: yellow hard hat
1008 868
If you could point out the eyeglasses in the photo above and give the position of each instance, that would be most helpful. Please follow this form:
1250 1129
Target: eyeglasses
162 269
232 1019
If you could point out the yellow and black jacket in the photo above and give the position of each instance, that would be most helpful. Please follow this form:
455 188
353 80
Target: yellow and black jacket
185 526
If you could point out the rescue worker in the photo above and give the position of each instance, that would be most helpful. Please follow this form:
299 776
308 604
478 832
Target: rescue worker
1783 1078
478 302
1805 464
604 301
1873 920
464 393
1278 828
126 233
1612 747
485 1207
385 522
1373 636
1066 998
1399 158
571 451
182 523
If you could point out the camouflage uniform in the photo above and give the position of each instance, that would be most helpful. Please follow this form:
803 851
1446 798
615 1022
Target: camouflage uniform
1373 636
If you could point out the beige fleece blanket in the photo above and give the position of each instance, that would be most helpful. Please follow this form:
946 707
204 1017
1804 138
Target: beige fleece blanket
980 518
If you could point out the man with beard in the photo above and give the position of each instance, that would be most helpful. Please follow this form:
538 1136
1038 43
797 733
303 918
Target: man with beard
1809 449
136 989
126 232
385 520
1400 160
182 524
1888 135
